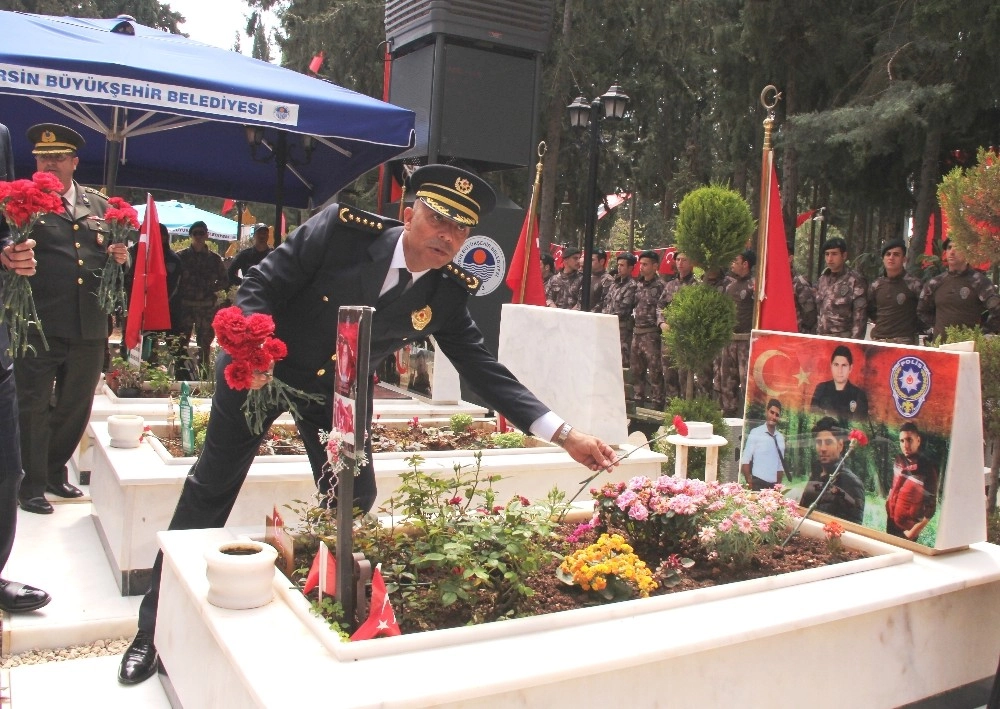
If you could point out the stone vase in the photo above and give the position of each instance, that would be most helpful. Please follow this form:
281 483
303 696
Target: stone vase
240 574
125 430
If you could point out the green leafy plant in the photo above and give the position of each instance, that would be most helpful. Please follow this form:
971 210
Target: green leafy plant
511 439
123 375
970 199
460 422
701 321
713 226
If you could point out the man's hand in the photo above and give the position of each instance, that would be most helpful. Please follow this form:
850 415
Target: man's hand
590 451
119 252
19 258
261 379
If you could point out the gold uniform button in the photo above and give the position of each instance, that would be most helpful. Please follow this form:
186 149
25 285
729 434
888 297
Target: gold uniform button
77 244
80 262
320 373
79 281
326 299
76 227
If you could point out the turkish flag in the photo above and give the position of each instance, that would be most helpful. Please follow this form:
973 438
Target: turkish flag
148 306
804 217
381 618
228 205
777 302
323 558
524 277
317 62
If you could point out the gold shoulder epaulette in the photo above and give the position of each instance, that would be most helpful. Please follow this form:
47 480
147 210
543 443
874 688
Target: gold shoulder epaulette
466 280
365 221
99 193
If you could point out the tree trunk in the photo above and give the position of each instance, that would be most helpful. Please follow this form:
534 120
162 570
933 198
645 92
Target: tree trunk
926 193
991 494
555 114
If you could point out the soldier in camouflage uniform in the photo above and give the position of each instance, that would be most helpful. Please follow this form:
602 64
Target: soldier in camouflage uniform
204 274
732 372
565 289
805 304
620 301
644 364
892 299
548 267
841 295
959 296
600 280
673 377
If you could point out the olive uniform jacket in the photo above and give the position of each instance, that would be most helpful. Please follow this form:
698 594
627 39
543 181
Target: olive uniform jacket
71 253
341 257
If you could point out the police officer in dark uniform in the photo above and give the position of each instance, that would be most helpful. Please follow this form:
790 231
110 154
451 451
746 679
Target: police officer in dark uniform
15 597
892 299
346 257
71 249
962 295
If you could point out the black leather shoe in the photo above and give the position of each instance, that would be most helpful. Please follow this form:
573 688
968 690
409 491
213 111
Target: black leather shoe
139 661
20 597
38 505
64 490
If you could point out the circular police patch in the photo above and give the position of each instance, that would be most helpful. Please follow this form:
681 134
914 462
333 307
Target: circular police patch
482 256
282 113
964 292
901 298
910 383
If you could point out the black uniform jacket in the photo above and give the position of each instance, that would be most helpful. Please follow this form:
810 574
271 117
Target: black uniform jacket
341 257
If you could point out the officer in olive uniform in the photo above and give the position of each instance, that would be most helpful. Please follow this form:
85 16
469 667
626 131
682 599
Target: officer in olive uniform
805 304
892 299
600 280
645 369
959 296
621 300
345 257
841 295
565 289
71 249
732 375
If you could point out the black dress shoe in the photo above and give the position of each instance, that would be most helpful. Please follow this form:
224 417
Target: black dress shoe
139 661
20 597
64 490
38 505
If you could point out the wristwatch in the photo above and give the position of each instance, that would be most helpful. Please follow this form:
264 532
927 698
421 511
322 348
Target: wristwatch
562 434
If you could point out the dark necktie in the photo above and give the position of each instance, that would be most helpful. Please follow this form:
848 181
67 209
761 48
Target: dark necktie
396 291
69 208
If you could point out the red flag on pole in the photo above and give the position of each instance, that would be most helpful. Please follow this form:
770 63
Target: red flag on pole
317 62
527 280
804 217
381 618
228 205
316 573
148 307
777 302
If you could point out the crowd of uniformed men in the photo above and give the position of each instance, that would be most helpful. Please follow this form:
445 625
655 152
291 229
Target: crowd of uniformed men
896 307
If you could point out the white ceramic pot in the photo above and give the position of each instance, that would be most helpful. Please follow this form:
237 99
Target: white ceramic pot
125 430
240 574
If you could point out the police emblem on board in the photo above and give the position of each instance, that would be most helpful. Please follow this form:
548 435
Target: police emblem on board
910 383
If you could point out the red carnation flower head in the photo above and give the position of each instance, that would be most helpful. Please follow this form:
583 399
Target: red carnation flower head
259 360
681 427
230 328
260 326
858 437
275 348
239 375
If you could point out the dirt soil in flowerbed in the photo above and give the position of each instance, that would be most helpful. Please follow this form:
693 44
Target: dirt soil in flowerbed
280 440
552 595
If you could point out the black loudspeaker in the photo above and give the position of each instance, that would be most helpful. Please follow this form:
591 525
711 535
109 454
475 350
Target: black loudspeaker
497 232
518 24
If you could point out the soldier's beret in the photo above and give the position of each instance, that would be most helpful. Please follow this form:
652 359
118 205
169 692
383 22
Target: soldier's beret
834 242
569 252
894 244
54 139
453 193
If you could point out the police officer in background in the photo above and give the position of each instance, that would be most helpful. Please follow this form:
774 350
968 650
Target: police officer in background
645 368
961 295
841 295
55 386
565 289
600 280
621 301
892 299
739 286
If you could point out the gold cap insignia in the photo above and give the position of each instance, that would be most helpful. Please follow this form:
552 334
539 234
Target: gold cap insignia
421 317
48 137
463 185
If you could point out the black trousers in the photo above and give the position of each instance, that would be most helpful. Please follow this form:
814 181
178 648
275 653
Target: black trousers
55 392
10 464
214 481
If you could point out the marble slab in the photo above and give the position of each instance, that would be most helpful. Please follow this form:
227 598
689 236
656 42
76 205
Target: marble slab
890 631
572 362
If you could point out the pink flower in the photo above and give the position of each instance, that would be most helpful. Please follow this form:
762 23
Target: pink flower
725 525
638 482
706 535
525 502
744 524
638 512
764 525
456 500
497 509
625 499
683 505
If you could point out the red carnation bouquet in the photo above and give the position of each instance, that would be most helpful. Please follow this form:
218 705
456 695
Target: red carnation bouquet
22 203
122 219
248 340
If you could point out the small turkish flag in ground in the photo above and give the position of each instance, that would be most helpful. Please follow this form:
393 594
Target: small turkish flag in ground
381 618
317 572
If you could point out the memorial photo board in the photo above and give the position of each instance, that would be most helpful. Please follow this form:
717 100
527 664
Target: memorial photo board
919 480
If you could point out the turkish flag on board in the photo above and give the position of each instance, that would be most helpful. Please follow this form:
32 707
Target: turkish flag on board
381 618
148 306
777 302
526 283
323 558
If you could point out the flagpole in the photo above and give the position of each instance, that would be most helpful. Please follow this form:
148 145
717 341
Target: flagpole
769 98
532 209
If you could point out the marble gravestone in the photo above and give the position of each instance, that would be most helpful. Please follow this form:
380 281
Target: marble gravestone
572 362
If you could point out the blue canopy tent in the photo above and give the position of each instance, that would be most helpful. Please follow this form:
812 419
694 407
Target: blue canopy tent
177 217
160 111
